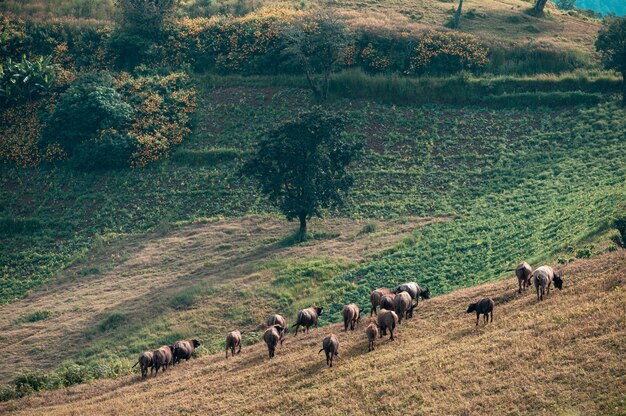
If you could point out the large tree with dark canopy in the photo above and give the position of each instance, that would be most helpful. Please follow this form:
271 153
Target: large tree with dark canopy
611 44
302 165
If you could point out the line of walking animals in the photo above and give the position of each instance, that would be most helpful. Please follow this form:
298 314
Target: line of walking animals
394 306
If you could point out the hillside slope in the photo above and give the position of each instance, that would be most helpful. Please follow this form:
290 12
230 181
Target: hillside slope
565 355
137 292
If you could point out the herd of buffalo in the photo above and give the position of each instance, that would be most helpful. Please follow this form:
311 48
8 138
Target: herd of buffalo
394 305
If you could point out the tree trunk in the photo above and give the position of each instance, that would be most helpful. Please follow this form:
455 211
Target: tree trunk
539 6
624 89
302 231
457 15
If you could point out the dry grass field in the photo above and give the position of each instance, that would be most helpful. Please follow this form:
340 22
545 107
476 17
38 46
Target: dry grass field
493 20
565 355
137 278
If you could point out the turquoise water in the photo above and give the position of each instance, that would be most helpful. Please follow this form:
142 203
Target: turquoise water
604 6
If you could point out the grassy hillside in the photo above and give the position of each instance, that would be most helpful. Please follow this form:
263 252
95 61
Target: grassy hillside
514 184
562 356
137 292
525 172
492 20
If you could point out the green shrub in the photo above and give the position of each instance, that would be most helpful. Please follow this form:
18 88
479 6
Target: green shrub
183 300
620 225
7 393
28 382
36 316
130 49
90 105
114 320
370 227
112 150
71 373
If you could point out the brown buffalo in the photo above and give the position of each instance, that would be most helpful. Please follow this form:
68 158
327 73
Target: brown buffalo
271 338
403 306
524 272
376 296
386 302
351 316
387 320
145 361
162 358
184 349
372 332
233 340
330 346
483 306
278 320
307 318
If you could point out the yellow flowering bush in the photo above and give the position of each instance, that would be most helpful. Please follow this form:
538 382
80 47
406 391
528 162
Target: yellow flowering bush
447 52
373 60
163 107
248 44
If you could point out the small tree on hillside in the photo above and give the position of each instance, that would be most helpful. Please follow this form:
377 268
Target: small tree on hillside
139 25
144 16
317 43
456 22
611 44
301 165
539 7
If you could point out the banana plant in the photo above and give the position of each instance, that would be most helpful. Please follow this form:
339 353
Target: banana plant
26 79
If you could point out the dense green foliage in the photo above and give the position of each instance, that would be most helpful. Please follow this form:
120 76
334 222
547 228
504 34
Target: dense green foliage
26 80
90 105
301 165
611 43
68 374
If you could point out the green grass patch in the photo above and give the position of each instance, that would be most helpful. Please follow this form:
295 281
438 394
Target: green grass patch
36 316
112 322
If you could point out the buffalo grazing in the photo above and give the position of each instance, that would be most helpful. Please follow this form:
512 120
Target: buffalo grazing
271 336
351 316
233 341
278 320
403 306
145 361
162 358
307 318
330 346
523 271
414 290
387 320
543 277
386 302
484 306
372 332
184 349
376 296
